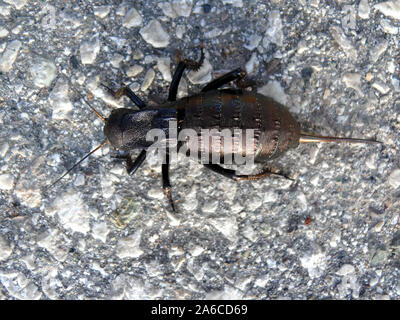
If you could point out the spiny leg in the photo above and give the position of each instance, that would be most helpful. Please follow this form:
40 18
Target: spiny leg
182 65
126 91
232 173
235 75
166 182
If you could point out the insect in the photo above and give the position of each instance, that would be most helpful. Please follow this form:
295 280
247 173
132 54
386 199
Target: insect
275 130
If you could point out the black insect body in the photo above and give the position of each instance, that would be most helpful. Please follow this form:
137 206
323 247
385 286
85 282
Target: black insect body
275 130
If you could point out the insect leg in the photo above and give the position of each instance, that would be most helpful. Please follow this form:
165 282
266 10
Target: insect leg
166 182
125 91
182 65
235 75
232 173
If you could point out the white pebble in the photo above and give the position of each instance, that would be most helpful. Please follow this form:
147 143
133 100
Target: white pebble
212 33
210 206
364 9
9 56
100 231
274 90
201 76
148 79
270 196
129 247
344 43
182 8
388 27
353 81
89 50
154 34
381 87
3 149
3 32
18 4
274 32
389 8
6 181
101 11
59 100
377 51
5 249
254 41
164 66
227 226
134 70
43 72
180 31
252 64
345 270
132 19
394 178
156 193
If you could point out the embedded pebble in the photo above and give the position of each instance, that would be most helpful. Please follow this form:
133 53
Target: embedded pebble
254 41
210 206
182 8
100 231
378 226
353 81
315 264
101 11
18 4
203 75
234 3
3 149
89 50
274 90
212 33
53 241
345 270
156 193
134 70
5 249
9 56
388 27
148 79
6 181
166 8
19 286
154 34
59 100
344 43
394 178
164 66
274 32
3 32
129 247
227 226
132 19
363 9
389 8
377 50
252 64
381 87
180 31
43 72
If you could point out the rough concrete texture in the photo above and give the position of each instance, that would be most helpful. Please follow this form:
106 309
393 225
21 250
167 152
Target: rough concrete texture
333 233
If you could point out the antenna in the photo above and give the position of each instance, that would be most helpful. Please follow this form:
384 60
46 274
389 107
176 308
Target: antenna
308 138
76 164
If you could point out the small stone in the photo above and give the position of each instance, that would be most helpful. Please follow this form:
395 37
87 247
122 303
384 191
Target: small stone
182 8
132 19
5 249
234 3
43 72
201 76
9 55
148 79
156 193
353 81
134 71
345 270
274 90
394 178
274 32
388 27
210 206
154 34
378 226
129 247
89 50
6 181
252 64
212 33
100 231
101 11
368 76
364 9
180 31
381 87
18 4
116 60
378 50
3 32
344 43
164 66
389 8
254 41
3 149
59 100
227 226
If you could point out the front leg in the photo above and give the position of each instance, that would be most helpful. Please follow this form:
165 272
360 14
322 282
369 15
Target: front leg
166 182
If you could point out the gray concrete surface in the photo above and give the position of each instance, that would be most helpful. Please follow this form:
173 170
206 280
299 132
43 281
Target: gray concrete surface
100 234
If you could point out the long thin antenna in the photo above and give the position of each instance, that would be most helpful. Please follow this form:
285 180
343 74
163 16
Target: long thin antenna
76 164
308 138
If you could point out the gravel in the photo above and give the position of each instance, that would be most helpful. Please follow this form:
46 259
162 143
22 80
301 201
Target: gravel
332 233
